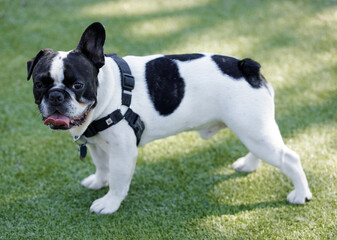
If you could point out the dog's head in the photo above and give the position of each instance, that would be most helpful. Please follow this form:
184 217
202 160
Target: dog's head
65 83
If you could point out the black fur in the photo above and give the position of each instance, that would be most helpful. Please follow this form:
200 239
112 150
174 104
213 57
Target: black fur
32 62
251 71
81 73
247 68
185 57
166 86
228 65
92 42
39 67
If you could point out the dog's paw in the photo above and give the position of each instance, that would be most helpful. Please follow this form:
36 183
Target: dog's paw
295 197
94 182
106 205
244 165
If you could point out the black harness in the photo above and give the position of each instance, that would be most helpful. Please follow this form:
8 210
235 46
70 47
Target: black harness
133 119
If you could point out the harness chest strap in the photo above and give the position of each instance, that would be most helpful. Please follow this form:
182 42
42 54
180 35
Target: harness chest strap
133 119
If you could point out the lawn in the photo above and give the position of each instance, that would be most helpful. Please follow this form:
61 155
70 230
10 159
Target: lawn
183 187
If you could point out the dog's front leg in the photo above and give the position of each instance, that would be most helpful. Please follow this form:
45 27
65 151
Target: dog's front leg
122 162
101 160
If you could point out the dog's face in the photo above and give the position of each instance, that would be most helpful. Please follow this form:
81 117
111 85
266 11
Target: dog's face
65 83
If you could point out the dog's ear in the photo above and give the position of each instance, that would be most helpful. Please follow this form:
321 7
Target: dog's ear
32 62
92 42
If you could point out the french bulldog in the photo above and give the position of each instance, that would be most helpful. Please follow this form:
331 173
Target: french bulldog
172 93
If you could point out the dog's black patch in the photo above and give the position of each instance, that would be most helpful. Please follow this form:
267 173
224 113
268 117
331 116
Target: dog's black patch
41 76
185 57
77 68
228 65
247 68
165 85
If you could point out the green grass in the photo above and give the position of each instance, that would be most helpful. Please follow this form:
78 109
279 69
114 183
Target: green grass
183 187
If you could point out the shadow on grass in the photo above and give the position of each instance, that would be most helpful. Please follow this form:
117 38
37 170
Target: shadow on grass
204 16
179 190
301 116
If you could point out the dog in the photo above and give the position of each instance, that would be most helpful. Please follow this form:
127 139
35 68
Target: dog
172 93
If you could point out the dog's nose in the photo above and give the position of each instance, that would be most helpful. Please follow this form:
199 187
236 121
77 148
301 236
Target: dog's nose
56 98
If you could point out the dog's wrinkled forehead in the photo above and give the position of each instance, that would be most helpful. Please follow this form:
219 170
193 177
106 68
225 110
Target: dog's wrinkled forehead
51 66
63 67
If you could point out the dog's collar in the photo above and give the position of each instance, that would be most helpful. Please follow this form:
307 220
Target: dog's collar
133 119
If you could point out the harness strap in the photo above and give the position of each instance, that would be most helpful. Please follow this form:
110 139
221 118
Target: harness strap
103 123
135 123
127 80
133 119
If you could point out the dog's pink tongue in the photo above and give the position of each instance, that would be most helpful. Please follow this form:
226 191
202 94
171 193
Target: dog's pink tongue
58 119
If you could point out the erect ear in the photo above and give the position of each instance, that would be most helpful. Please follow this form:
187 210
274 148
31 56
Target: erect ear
91 43
32 62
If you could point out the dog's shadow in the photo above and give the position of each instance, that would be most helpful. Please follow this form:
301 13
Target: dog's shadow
195 184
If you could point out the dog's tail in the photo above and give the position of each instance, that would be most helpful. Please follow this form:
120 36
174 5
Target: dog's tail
251 71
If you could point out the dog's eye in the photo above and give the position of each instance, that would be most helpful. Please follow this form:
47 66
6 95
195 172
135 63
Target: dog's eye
38 85
77 86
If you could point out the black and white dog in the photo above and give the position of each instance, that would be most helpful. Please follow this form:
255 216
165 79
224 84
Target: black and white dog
172 93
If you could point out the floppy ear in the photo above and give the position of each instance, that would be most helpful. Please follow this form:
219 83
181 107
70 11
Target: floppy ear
32 62
91 43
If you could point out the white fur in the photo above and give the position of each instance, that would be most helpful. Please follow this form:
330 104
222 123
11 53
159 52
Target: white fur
212 101
57 68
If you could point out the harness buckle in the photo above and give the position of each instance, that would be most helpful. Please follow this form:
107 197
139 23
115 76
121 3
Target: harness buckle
128 82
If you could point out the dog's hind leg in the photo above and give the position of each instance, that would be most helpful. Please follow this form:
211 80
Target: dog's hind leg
266 143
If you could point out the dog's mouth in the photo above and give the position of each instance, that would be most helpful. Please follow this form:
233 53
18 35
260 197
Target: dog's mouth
59 121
